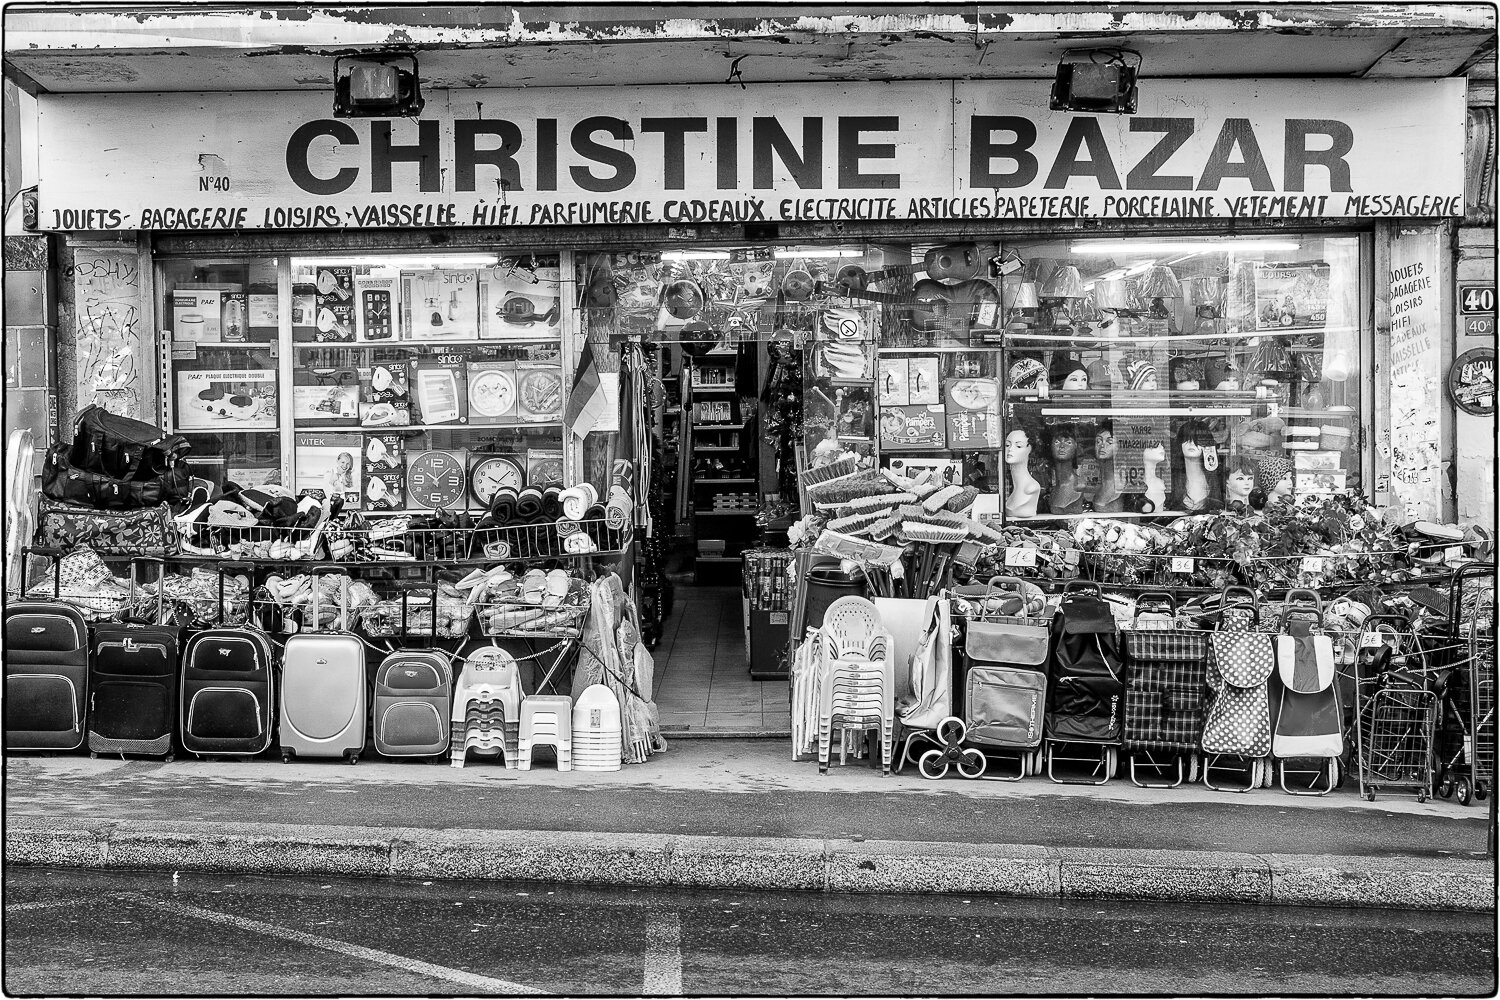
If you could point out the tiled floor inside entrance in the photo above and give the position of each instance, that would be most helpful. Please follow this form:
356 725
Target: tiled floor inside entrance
702 683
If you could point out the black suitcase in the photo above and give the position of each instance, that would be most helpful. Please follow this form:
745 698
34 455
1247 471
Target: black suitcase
46 676
133 684
228 692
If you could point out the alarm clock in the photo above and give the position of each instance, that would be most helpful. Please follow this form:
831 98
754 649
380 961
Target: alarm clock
491 474
435 479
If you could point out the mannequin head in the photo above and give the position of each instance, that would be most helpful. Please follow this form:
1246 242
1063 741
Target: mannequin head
1274 478
1067 373
1239 482
1187 374
1020 445
1062 444
1140 375
1104 440
1193 437
1154 453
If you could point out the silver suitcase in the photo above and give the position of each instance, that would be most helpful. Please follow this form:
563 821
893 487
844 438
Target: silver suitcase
323 702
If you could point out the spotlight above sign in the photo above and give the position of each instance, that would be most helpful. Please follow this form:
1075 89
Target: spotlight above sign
376 87
1098 81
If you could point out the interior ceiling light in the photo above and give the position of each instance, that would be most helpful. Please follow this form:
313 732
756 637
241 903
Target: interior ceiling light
379 86
408 263
1116 248
696 255
1098 81
787 253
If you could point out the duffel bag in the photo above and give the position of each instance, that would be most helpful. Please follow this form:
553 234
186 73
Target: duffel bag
62 481
146 532
129 450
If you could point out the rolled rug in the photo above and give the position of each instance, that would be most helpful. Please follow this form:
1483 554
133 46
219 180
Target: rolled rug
617 511
576 500
552 502
503 506
529 504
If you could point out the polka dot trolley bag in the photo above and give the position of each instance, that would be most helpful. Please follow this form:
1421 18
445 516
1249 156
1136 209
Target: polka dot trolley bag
1238 720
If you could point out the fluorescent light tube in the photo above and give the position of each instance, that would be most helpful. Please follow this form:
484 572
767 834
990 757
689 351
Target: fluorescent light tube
1115 247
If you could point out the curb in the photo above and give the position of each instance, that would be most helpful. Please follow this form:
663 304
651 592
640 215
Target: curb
760 863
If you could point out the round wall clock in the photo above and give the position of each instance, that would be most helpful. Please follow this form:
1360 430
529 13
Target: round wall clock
435 479
488 475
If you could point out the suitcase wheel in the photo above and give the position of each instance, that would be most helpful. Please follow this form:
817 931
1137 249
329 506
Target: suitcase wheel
286 758
353 759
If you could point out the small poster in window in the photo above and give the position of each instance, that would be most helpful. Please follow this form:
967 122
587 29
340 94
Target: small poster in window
385 394
856 412
330 464
325 396
1291 296
244 399
385 471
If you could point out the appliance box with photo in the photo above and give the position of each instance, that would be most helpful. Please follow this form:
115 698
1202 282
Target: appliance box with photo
440 390
377 306
893 381
329 464
197 313
972 408
234 322
519 302
385 471
238 399
325 396
385 393
441 304
913 427
492 392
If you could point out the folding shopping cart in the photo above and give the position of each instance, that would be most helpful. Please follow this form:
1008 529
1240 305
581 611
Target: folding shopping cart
1395 723
1084 724
1309 720
1467 646
1166 680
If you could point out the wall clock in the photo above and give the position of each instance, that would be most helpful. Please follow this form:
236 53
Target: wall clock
491 474
436 479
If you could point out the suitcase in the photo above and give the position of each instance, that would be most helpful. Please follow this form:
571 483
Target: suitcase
228 692
413 691
133 689
46 676
323 699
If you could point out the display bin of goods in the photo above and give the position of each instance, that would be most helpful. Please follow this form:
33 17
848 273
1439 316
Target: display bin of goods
315 602
202 597
550 603
768 594
419 608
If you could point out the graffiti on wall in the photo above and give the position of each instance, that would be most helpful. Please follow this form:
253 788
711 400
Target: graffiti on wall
109 318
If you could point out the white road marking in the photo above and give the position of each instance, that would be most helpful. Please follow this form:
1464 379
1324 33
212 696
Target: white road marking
43 904
663 955
469 979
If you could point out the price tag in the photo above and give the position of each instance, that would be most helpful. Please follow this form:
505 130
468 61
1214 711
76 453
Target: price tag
1369 640
1453 554
184 350
1016 555
1312 564
1182 564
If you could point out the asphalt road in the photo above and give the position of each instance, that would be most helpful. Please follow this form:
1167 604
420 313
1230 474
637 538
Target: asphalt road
98 933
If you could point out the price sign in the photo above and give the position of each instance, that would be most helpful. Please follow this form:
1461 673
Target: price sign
1182 564
1369 640
1453 554
1016 555
1312 564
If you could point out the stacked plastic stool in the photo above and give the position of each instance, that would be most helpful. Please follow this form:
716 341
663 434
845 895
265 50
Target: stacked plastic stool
597 732
546 720
856 679
486 716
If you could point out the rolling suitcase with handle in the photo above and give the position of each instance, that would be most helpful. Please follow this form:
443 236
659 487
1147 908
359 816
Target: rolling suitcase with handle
228 690
46 676
413 691
133 684
323 700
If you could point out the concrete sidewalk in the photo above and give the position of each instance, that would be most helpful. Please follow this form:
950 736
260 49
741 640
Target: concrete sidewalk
741 813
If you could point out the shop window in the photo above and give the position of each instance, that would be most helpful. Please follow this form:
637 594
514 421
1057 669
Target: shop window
1178 376
403 384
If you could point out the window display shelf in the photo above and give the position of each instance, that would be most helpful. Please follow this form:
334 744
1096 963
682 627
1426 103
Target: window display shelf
235 430
725 513
545 425
376 345
939 350
228 345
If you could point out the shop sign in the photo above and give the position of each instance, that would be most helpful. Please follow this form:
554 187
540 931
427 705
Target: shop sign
1476 308
1471 381
1415 373
980 150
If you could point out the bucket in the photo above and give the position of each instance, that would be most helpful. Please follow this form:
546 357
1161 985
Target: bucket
826 584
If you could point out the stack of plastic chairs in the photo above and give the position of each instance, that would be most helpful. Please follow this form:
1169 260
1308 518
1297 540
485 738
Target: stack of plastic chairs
596 730
546 720
856 679
804 678
486 716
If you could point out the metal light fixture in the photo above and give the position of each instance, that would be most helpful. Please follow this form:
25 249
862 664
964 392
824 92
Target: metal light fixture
1097 81
378 86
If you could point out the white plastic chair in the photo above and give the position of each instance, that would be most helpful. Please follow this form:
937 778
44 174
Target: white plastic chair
855 678
486 714
597 730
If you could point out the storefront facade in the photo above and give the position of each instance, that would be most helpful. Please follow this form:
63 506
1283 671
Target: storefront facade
865 247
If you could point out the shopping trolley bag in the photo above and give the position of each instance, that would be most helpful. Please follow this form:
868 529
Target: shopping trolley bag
1238 720
1005 680
1310 720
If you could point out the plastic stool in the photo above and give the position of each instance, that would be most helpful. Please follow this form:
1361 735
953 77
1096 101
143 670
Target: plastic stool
546 719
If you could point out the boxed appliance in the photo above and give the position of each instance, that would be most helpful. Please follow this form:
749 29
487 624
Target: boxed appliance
377 306
335 304
922 381
262 312
440 388
441 303
544 466
329 465
492 392
385 393
305 312
234 322
325 396
911 427
893 382
385 471
539 392
519 302
198 311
